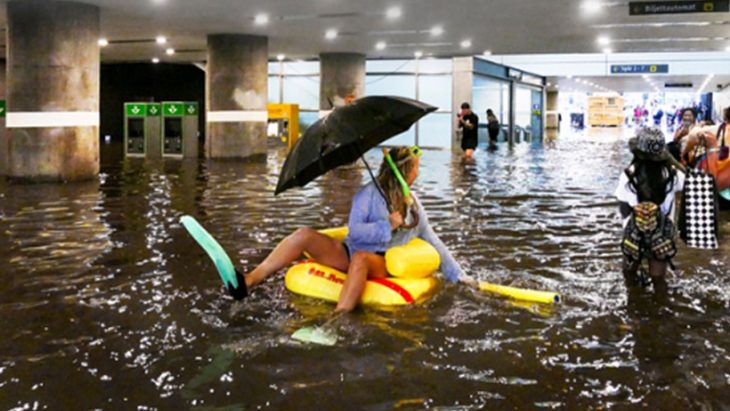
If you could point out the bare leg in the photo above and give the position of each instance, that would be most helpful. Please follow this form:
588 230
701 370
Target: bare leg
657 271
364 265
631 271
326 250
469 153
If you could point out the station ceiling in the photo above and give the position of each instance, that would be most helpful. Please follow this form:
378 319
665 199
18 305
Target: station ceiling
299 29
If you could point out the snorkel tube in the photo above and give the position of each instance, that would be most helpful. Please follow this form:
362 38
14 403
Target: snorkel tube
415 152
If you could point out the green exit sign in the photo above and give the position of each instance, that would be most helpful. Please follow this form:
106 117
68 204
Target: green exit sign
2 108
170 109
191 108
153 110
135 109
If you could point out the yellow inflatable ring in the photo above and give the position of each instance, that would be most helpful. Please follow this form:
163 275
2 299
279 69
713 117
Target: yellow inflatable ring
319 281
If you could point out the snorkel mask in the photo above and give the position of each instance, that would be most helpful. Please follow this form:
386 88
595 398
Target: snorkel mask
415 151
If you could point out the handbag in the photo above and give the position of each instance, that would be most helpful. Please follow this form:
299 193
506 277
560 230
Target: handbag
698 220
724 149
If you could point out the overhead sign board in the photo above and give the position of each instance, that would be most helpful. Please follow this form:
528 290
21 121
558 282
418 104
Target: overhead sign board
678 85
639 68
643 8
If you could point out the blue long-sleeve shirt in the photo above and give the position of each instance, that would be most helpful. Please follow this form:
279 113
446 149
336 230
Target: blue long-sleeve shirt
369 230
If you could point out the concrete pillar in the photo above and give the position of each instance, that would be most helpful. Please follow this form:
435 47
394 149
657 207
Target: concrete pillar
3 131
462 91
551 110
342 79
237 94
53 90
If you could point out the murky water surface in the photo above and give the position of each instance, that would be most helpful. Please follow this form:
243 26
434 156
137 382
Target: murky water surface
107 303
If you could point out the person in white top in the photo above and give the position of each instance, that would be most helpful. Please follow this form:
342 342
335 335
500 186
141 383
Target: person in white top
646 193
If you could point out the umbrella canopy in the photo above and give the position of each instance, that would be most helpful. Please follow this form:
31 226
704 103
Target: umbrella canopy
346 134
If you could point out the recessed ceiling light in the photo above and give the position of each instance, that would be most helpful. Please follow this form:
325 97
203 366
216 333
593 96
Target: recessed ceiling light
607 50
261 19
487 52
280 57
465 44
170 51
161 39
380 45
330 34
604 40
103 42
437 30
155 60
591 6
418 54
393 13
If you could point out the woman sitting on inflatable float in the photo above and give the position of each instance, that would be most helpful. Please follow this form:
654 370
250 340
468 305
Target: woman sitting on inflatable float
373 229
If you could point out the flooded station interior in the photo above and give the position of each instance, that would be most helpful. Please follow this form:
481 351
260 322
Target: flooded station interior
119 118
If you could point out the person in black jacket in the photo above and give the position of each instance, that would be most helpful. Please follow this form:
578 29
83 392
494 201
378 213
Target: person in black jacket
492 128
468 123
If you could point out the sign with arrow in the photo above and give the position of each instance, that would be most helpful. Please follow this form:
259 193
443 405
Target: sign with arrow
191 108
153 109
173 109
3 105
643 8
639 68
135 109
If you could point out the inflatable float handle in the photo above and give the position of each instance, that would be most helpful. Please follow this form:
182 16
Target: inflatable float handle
222 262
545 297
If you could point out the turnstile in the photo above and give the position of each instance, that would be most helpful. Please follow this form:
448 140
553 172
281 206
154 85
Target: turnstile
180 129
142 130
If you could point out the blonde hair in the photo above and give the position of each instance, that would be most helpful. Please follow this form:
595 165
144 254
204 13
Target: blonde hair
403 160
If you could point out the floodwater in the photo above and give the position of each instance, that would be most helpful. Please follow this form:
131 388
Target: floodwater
108 304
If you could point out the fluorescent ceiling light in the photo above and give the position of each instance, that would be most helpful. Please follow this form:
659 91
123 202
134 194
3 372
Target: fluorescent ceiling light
161 39
604 40
170 51
465 44
280 57
155 60
261 19
380 45
103 42
393 13
607 50
437 31
487 52
330 34
418 54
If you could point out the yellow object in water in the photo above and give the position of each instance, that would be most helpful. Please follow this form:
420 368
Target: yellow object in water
545 297
319 281
417 259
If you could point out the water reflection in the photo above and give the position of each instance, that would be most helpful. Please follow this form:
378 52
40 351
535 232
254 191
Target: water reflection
106 292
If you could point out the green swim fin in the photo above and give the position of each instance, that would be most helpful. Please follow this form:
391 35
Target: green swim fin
316 335
232 279
725 194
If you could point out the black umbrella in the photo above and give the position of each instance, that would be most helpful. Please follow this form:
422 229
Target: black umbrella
345 134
